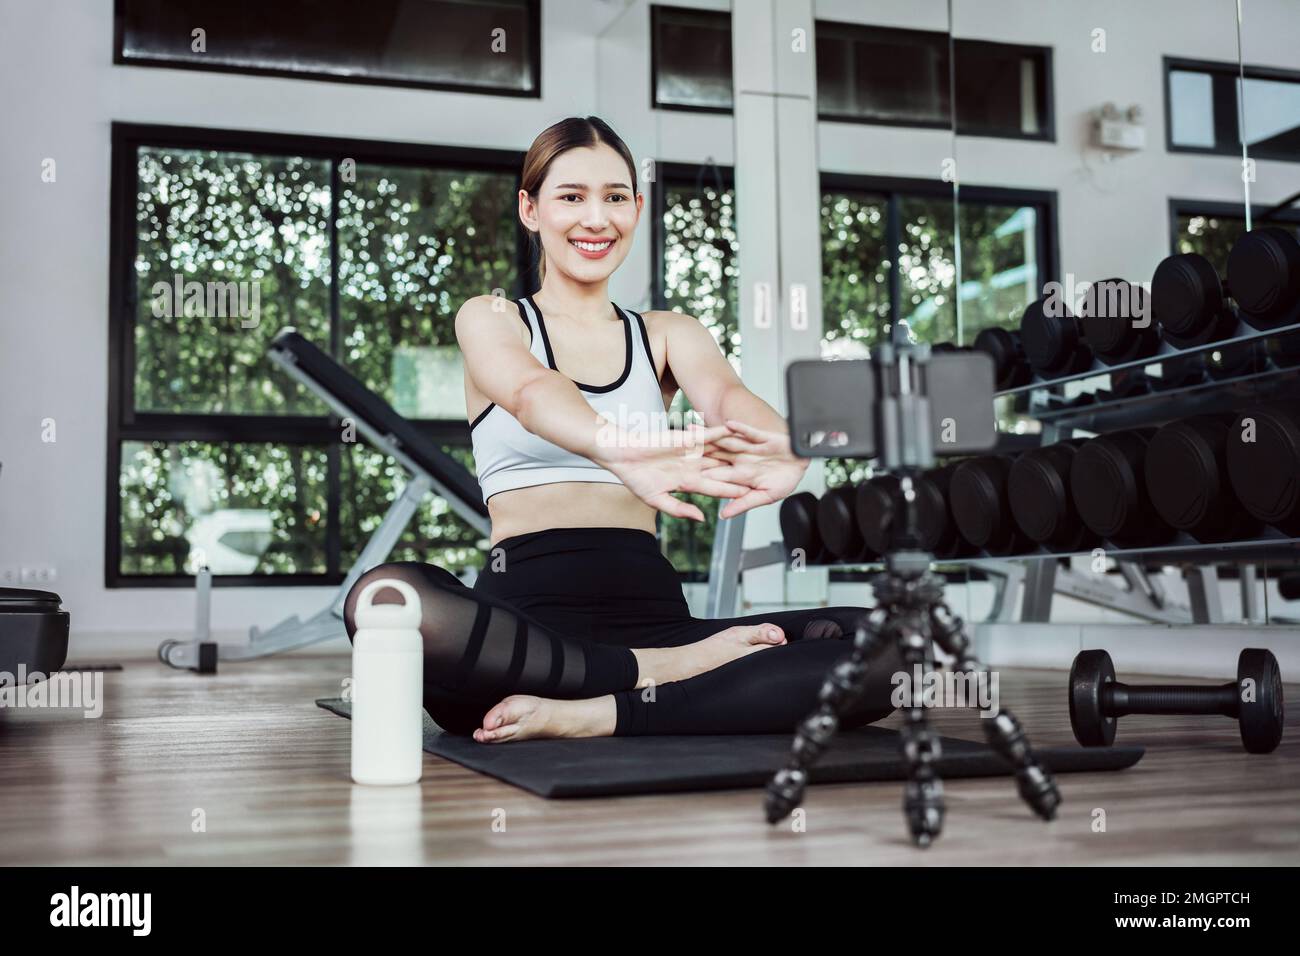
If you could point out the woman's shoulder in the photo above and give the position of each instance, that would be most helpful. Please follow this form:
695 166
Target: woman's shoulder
481 310
664 319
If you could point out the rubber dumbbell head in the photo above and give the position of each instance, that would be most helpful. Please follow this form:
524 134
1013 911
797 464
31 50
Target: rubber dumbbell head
1010 367
877 503
1188 303
799 532
980 506
1186 471
838 525
1116 319
1052 339
1264 276
1038 488
1264 464
1108 482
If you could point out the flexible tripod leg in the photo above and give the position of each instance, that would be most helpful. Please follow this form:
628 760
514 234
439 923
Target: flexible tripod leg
1003 732
841 689
923 793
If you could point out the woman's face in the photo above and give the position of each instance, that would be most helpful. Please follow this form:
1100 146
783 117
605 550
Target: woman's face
585 212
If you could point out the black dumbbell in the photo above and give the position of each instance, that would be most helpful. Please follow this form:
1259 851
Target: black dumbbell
977 498
1108 482
1038 488
799 531
936 530
1186 471
1053 339
1264 277
838 524
1010 367
1264 464
1189 303
1097 700
1116 320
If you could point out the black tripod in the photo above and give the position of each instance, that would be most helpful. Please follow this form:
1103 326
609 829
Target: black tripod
909 611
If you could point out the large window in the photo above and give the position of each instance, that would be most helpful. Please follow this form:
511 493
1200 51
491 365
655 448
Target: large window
220 240
888 254
478 46
871 74
1205 109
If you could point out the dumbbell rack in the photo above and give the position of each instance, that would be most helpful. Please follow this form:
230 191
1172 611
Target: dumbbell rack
1039 569
1044 577
1162 404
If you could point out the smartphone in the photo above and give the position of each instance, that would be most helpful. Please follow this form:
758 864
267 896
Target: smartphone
833 405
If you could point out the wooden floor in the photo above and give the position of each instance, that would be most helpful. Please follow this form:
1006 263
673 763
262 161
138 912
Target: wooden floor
243 768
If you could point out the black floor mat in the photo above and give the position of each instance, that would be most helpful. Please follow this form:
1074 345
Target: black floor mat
609 766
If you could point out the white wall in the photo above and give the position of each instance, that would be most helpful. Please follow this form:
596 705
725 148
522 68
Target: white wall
62 92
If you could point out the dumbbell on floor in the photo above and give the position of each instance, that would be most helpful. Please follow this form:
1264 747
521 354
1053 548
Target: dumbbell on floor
1097 700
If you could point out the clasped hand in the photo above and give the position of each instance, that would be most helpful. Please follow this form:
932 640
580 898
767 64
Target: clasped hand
748 465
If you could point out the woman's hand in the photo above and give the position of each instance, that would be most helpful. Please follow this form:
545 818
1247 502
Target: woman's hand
759 459
672 460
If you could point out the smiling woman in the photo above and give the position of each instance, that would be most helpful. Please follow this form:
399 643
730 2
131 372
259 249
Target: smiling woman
577 611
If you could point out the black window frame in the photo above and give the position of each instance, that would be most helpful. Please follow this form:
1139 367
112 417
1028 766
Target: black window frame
534 52
656 10
125 424
1183 64
1048 134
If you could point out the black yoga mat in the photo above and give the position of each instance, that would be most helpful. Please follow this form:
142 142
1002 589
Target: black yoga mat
610 766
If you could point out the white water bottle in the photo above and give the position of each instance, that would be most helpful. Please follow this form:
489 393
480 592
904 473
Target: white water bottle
387 688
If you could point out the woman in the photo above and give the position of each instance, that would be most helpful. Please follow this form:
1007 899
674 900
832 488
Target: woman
577 626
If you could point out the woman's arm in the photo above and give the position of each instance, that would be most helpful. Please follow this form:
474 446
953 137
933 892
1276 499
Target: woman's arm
541 399
759 448
550 406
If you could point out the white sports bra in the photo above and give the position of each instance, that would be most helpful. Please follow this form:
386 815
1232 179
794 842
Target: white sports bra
508 456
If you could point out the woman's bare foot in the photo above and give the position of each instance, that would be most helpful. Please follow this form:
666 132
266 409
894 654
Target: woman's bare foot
661 665
521 717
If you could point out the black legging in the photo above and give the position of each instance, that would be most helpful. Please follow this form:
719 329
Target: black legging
555 614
